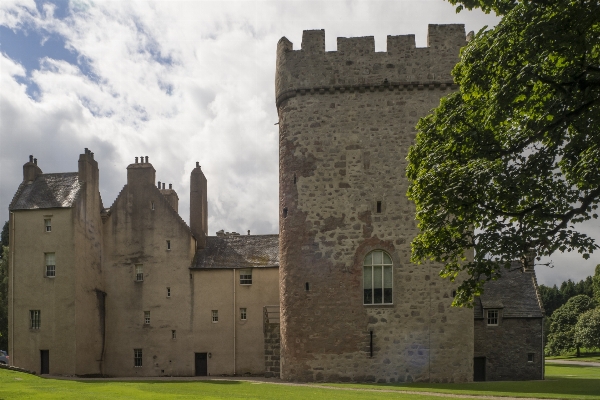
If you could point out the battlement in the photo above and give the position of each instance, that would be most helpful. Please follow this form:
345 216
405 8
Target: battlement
357 64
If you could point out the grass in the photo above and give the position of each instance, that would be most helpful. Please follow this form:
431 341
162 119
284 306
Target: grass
562 381
590 356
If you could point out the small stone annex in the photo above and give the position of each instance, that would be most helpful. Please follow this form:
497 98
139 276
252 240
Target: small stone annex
134 290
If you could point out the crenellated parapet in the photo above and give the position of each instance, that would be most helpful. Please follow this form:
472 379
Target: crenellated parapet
357 66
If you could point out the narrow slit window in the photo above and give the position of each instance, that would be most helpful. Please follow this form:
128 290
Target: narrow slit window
168 245
285 210
50 264
379 207
168 292
146 317
307 286
294 179
48 224
152 205
173 334
139 272
243 314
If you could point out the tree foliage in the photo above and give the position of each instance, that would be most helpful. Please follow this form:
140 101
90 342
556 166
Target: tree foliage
561 337
587 329
596 284
511 161
554 297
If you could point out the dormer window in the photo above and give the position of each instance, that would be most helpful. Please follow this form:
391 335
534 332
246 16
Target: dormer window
48 224
492 317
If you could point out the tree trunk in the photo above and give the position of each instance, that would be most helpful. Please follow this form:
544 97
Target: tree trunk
578 353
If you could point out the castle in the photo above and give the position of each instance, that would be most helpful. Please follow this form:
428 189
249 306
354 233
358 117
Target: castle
132 290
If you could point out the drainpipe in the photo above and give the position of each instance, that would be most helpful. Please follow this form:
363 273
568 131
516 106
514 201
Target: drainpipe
12 292
233 270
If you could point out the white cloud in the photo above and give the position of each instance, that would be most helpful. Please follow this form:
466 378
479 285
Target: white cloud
180 82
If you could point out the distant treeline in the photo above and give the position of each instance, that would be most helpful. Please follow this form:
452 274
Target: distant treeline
554 297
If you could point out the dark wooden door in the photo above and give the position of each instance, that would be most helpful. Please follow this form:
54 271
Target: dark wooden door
201 364
45 357
479 369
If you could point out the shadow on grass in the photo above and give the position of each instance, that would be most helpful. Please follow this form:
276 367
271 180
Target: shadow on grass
219 381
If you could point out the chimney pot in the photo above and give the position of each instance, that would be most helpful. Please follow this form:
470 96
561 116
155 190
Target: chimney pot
159 185
197 164
86 150
30 158
146 159
248 232
92 153
170 186
35 161
163 186
136 160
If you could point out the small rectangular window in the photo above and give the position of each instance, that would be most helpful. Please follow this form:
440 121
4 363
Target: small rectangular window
34 319
243 314
147 317
492 317
168 245
48 225
530 357
152 205
50 264
379 207
139 272
246 276
137 357
215 315
173 334
168 292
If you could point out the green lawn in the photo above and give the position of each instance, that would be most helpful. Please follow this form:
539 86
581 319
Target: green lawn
567 382
585 356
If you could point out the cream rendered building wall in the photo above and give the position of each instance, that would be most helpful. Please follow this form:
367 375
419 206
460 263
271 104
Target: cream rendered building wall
215 289
30 289
134 233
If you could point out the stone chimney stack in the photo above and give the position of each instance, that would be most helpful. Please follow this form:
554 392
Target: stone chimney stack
198 206
171 196
31 170
88 167
142 173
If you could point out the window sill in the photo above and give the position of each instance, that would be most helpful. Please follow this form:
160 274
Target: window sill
386 305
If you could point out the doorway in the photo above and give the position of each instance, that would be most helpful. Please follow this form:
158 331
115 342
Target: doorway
45 358
479 369
201 362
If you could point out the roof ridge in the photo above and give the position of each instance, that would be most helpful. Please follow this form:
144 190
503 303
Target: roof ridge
115 201
173 210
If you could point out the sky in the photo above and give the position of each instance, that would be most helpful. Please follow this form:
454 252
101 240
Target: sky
181 82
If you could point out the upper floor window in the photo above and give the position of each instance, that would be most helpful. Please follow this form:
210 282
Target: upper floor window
377 278
246 276
147 317
215 315
139 272
34 319
168 245
492 317
243 314
168 292
50 265
48 224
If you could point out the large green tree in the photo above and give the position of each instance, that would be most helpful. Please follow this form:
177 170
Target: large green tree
587 329
561 337
511 161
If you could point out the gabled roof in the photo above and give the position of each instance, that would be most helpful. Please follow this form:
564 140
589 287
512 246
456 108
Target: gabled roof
238 251
515 293
47 191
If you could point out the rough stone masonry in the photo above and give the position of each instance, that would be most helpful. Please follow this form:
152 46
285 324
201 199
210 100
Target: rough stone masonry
346 121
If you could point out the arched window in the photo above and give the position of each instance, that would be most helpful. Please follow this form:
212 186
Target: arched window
377 278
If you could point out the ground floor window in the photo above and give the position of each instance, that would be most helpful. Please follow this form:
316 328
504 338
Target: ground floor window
137 357
377 278
530 357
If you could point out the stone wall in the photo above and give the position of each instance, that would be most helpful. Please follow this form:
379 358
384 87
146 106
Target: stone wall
506 348
346 123
272 341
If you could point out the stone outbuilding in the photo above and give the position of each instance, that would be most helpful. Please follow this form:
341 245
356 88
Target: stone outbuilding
509 328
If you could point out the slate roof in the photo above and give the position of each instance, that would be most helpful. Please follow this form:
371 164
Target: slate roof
238 251
515 293
47 191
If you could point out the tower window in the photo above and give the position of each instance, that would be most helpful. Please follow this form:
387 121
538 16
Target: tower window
139 272
48 224
285 210
173 334
34 319
50 265
215 315
379 207
152 205
243 314
377 278
168 292
307 286
146 317
137 357
168 245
